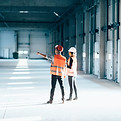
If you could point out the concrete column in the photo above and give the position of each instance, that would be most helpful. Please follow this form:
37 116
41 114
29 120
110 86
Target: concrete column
29 39
114 43
119 60
79 40
0 45
87 16
53 40
72 31
102 40
58 36
16 41
66 37
119 49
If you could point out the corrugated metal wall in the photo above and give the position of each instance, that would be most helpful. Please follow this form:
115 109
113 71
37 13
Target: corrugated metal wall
26 43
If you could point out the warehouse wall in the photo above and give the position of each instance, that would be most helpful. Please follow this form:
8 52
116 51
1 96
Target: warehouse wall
93 30
38 43
7 44
26 43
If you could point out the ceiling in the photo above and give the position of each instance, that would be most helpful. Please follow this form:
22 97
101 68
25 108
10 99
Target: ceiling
34 13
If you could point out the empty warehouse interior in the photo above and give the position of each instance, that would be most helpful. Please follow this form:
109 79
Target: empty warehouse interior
31 26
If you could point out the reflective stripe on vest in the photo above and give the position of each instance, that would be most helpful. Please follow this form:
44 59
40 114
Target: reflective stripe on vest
58 67
56 71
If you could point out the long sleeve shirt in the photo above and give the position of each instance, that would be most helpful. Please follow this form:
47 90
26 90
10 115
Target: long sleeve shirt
50 58
70 64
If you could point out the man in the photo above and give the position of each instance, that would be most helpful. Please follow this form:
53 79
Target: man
57 71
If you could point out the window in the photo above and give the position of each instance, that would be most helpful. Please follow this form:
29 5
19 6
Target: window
23 52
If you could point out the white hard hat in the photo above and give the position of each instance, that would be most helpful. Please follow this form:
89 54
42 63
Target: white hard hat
72 49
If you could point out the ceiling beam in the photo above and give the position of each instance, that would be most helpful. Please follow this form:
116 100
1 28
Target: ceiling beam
3 20
33 22
40 3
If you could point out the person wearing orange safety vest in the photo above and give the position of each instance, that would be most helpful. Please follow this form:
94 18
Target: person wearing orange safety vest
57 70
72 72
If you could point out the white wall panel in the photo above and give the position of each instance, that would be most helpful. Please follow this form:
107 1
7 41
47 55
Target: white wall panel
84 58
23 36
109 60
23 43
1 52
6 53
96 58
37 43
119 58
7 44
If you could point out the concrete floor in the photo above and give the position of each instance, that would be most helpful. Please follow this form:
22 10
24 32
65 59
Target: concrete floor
25 88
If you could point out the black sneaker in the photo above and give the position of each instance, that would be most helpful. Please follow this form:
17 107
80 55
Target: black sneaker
62 101
69 99
49 102
75 98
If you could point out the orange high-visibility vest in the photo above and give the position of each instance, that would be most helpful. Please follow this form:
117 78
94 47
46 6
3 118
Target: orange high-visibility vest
73 70
58 66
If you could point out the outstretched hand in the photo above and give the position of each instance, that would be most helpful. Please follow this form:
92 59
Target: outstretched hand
38 53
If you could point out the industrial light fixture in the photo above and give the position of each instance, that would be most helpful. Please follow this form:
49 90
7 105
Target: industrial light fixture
56 14
23 11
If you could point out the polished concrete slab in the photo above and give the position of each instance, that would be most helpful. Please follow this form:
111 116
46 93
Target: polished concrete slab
25 88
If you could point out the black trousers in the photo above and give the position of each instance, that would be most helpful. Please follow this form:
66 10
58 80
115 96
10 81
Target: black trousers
72 84
54 79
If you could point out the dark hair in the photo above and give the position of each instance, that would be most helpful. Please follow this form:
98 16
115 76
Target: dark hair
72 54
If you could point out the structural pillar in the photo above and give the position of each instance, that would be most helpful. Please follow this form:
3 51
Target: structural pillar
79 41
72 31
102 40
16 41
119 50
87 16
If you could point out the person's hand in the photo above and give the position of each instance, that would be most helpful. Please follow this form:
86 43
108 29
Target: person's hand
38 53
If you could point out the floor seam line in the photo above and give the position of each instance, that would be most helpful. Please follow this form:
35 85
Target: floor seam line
4 113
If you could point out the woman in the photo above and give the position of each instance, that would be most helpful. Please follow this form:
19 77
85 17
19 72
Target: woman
72 72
